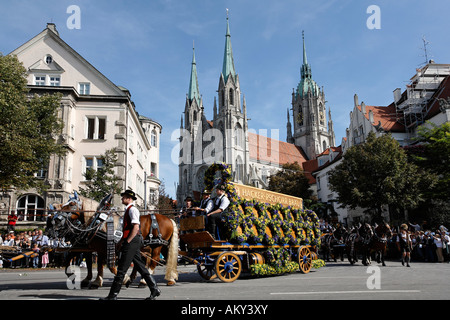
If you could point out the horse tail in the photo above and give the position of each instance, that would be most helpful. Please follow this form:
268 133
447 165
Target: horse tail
172 260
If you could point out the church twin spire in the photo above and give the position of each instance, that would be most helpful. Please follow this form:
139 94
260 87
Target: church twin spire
193 83
228 62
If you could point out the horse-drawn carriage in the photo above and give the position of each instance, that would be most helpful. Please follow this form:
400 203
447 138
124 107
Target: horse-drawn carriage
262 233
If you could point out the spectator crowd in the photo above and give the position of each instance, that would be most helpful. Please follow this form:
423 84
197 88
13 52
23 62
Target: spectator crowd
41 246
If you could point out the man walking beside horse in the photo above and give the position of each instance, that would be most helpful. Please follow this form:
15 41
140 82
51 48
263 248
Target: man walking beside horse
130 246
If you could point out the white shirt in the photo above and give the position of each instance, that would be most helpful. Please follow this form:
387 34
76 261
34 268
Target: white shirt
134 214
223 201
209 205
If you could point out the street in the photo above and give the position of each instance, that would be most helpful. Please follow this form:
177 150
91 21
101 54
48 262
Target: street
335 281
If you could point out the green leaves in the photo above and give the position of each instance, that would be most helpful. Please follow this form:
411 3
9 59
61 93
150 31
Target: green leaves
378 173
28 128
291 180
102 181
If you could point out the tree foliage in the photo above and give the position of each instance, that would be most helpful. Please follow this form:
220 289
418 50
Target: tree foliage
28 128
102 181
291 180
377 173
435 156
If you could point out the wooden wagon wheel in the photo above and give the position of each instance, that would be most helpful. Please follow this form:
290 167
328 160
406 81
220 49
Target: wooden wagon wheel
228 267
205 268
206 271
304 259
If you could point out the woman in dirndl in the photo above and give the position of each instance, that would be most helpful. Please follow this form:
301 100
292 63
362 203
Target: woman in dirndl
404 244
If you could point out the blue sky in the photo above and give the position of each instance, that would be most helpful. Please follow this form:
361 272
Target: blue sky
146 46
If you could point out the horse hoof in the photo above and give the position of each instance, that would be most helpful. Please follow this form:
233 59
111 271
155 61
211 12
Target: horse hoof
93 287
142 285
170 283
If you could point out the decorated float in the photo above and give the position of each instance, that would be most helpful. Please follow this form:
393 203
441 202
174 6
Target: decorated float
262 233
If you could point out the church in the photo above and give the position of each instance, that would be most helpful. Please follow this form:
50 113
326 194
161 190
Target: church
226 138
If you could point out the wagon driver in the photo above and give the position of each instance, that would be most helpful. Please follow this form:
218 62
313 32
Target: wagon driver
130 246
221 203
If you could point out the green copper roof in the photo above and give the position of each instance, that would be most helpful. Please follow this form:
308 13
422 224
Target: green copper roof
193 83
306 83
228 62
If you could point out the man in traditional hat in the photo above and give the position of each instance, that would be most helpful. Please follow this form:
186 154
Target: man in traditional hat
206 205
130 246
221 203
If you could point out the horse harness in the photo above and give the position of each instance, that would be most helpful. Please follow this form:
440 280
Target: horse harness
151 240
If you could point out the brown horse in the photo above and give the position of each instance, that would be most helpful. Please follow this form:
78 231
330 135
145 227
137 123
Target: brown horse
382 233
92 242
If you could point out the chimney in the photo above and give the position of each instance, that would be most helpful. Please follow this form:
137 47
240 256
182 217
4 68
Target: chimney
371 116
397 95
52 27
355 98
363 108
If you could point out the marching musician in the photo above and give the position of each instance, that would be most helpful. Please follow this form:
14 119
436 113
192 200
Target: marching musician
130 246
221 203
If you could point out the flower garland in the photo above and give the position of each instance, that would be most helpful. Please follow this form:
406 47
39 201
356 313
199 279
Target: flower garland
252 222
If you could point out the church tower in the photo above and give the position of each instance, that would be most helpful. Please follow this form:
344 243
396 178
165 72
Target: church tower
191 136
231 116
311 132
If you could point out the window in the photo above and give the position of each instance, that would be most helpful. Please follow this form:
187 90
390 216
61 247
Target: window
55 81
153 138
153 169
89 163
238 135
48 59
84 88
96 128
93 163
231 97
39 80
30 208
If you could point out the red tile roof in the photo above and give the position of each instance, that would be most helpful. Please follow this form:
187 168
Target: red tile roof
384 116
278 152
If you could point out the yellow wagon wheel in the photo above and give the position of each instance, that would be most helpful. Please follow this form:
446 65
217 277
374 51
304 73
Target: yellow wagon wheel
304 259
228 267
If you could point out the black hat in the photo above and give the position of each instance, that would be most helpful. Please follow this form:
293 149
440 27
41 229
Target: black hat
129 193
206 191
221 187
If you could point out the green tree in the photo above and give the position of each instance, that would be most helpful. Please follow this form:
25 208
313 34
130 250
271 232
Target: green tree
165 203
435 156
377 173
292 181
102 181
29 127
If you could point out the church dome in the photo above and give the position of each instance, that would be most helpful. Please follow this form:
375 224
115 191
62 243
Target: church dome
305 85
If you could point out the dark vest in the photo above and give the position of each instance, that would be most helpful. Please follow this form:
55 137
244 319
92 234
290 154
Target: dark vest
127 226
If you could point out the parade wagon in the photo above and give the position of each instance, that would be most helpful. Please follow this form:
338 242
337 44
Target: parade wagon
262 233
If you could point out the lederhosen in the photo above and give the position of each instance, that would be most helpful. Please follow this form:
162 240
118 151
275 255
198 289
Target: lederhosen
405 245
